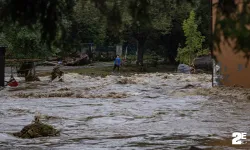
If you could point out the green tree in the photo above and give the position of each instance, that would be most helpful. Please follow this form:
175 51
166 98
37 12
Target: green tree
169 43
86 24
23 42
148 18
142 17
90 23
204 21
47 13
193 43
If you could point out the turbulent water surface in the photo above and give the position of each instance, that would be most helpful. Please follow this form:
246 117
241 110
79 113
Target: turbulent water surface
144 111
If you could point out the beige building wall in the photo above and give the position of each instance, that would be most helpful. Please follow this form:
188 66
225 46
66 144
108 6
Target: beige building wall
233 66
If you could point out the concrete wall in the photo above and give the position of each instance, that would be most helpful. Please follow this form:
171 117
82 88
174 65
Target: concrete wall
233 67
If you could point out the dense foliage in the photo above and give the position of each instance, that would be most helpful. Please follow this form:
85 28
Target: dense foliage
58 27
23 42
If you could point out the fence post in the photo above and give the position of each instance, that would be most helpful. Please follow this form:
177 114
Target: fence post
2 66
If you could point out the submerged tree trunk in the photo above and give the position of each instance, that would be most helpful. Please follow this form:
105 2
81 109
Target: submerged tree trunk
141 38
27 70
140 56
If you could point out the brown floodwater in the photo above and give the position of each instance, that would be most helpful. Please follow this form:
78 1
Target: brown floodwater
144 111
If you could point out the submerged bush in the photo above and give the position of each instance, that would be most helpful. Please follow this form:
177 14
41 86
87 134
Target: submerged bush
37 129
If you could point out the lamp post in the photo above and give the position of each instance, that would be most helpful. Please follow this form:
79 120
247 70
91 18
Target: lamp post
2 65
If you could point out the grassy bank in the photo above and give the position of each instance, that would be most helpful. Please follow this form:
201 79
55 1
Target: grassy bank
124 70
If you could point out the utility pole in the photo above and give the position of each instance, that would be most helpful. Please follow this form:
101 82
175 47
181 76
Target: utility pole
211 38
2 66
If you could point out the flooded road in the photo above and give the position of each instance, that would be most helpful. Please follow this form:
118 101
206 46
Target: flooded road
144 111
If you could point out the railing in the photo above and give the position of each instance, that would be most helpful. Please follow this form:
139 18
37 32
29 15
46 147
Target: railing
21 72
23 60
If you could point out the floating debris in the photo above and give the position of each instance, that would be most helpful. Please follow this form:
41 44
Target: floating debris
31 78
43 95
126 81
37 129
112 95
165 77
195 148
64 89
188 86
57 73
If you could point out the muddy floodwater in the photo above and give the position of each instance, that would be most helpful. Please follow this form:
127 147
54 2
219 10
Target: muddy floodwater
145 111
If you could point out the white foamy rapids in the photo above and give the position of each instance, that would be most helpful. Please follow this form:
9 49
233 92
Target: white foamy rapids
7 78
5 137
79 85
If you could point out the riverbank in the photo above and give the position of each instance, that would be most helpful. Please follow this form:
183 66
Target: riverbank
99 69
105 69
124 70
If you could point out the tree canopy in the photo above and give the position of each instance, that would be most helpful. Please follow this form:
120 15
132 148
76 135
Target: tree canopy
62 25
